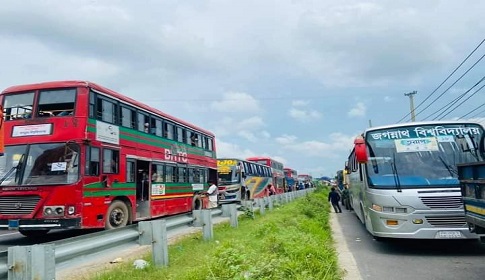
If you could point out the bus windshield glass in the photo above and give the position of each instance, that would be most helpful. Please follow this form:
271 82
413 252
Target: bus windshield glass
421 156
227 171
39 164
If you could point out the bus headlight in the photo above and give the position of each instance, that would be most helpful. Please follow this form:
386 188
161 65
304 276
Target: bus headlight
71 210
48 211
377 208
54 210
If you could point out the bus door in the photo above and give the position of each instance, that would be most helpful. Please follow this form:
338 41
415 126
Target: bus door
142 180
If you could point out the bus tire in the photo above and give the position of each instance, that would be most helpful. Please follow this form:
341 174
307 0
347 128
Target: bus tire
117 215
34 233
196 202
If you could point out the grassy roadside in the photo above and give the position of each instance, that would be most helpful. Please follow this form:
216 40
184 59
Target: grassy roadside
291 242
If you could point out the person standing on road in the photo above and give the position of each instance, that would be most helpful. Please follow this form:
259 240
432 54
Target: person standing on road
212 192
334 197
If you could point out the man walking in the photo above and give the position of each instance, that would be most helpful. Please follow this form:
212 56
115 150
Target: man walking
334 197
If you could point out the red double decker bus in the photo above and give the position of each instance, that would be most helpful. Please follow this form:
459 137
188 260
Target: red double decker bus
279 181
78 155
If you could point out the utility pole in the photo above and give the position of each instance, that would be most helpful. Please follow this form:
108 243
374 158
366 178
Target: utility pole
370 123
411 104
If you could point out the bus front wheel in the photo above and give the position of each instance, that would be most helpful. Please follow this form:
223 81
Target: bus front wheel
117 215
34 233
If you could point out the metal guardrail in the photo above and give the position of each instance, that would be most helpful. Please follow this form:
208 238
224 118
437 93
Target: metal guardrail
24 259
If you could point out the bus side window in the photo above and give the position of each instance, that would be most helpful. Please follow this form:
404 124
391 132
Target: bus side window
111 159
130 171
168 173
92 161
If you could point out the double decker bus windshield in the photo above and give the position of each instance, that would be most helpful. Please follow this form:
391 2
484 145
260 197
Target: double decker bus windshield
39 164
421 156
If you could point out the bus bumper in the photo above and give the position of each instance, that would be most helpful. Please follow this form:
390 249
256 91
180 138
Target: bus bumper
40 224
420 226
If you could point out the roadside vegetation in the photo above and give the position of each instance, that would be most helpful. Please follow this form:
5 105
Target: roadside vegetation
291 242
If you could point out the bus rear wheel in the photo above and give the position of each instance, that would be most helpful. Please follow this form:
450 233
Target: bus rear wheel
34 233
117 215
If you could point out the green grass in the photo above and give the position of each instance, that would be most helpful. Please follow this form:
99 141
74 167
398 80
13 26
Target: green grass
291 242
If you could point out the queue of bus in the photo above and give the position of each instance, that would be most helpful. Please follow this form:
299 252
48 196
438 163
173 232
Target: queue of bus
411 180
76 155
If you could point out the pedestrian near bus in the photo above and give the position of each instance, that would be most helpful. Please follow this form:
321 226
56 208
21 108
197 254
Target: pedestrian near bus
334 198
212 192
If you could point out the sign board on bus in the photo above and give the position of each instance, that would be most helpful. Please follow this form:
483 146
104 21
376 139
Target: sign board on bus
32 130
106 132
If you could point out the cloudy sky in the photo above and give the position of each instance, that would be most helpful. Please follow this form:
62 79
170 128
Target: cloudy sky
294 80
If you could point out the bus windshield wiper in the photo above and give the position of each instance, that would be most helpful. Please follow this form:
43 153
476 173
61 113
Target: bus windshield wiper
453 172
14 168
397 181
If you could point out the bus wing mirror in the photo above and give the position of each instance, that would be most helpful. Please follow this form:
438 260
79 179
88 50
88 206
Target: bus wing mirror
360 150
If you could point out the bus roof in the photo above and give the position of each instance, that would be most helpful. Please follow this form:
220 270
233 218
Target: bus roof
65 84
418 124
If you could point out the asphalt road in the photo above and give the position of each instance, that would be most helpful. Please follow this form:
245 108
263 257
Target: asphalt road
411 259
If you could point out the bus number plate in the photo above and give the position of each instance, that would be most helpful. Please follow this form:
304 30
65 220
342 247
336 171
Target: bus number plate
448 234
13 224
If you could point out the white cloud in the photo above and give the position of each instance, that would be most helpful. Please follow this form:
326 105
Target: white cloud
226 149
357 111
299 103
387 99
304 115
286 139
248 135
236 102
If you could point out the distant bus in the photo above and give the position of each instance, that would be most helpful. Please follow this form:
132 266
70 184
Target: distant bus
279 181
305 178
291 176
233 174
404 180
78 155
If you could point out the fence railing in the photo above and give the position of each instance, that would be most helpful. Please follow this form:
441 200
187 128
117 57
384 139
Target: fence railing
40 261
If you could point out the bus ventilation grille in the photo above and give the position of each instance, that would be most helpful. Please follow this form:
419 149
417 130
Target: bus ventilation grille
446 221
443 202
18 205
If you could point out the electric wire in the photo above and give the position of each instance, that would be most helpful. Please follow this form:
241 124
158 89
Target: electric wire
478 107
450 104
463 75
461 103
453 72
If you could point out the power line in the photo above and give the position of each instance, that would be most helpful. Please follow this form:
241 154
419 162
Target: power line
466 72
480 106
477 114
419 105
454 101
461 103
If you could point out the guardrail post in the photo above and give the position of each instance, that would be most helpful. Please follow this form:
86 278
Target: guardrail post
233 215
261 206
145 231
32 262
207 228
286 197
225 210
270 203
160 243
197 215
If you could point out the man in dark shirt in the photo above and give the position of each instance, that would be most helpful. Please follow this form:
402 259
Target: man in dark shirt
334 197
